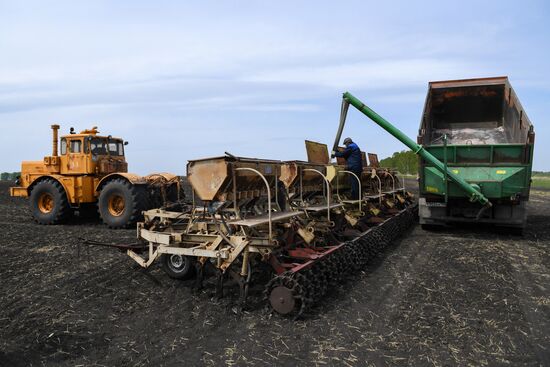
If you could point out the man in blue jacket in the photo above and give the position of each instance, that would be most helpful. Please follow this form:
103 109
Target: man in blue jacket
354 163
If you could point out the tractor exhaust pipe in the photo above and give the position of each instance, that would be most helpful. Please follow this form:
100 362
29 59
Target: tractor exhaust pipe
55 128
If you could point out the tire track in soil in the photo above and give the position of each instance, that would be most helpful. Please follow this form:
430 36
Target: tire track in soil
533 283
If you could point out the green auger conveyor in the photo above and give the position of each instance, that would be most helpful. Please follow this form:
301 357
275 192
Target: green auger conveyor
476 149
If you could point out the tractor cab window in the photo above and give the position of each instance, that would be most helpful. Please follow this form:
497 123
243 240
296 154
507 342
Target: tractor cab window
76 146
116 148
63 146
100 146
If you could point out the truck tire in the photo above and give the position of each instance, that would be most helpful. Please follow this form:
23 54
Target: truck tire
178 266
120 203
48 202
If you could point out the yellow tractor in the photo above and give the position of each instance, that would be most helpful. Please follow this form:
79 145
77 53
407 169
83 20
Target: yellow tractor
90 172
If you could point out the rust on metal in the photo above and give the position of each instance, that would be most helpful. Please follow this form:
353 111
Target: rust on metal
207 176
289 173
211 177
469 82
373 160
317 152
364 159
340 160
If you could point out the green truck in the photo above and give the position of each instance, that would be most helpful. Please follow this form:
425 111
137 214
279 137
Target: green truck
476 152
478 129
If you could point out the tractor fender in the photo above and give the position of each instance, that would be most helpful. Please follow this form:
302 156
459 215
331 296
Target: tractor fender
62 180
130 177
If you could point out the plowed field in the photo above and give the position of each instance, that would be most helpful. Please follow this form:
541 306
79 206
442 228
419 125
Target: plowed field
460 296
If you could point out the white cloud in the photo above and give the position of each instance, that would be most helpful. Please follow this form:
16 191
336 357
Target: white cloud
174 75
389 73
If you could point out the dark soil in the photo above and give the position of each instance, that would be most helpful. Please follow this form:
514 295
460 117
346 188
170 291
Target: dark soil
462 296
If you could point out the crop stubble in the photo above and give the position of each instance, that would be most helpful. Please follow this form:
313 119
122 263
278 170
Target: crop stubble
462 296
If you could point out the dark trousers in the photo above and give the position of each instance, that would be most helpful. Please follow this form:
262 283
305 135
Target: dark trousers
355 185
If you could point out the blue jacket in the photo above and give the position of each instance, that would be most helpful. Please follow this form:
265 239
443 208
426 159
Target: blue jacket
352 154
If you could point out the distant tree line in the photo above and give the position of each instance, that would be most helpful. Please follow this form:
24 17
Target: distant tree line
405 162
9 176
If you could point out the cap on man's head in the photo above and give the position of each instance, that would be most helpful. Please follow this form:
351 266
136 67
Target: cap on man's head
347 141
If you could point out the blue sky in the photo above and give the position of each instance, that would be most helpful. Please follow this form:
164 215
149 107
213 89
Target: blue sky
185 80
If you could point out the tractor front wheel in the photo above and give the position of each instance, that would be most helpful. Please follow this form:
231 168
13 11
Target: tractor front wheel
120 203
48 202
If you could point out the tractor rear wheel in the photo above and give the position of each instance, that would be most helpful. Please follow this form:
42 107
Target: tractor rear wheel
120 203
48 202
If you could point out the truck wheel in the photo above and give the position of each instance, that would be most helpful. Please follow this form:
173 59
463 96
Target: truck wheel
48 202
120 203
178 266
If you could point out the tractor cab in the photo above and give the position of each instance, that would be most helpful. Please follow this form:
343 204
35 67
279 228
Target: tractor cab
89 153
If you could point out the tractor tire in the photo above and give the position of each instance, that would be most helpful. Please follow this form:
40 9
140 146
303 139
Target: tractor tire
48 202
178 266
120 203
